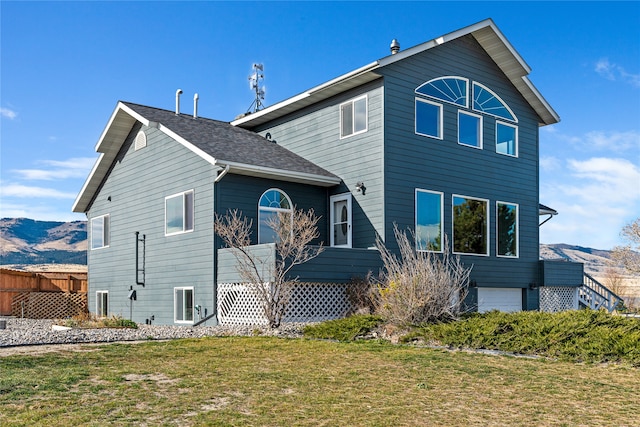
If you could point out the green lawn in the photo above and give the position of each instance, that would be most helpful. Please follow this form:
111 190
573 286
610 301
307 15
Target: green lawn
261 381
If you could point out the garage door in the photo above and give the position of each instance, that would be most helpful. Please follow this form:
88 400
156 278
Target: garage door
501 299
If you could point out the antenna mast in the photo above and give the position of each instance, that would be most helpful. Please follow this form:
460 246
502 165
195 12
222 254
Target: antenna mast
256 85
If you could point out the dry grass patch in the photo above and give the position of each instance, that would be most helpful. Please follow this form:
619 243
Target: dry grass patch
276 382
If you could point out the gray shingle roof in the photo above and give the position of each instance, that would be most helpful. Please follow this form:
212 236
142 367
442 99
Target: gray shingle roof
228 143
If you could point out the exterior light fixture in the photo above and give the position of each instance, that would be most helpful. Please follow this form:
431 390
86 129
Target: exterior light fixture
360 187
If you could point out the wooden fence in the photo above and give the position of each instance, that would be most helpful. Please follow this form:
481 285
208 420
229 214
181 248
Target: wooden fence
48 292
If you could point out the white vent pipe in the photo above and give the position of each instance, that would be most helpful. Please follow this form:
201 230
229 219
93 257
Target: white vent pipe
178 93
195 106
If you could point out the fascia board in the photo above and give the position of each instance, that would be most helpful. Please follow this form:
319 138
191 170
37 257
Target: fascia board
113 121
548 114
280 174
81 203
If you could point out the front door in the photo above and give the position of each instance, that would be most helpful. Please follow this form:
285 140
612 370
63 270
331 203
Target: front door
341 220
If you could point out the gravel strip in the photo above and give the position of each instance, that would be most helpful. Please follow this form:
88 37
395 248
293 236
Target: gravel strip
21 332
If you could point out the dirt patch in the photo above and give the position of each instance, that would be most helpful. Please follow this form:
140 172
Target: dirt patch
35 350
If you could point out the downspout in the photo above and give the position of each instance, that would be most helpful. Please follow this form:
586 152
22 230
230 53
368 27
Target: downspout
216 208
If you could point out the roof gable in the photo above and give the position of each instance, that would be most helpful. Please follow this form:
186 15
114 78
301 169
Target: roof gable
221 144
485 32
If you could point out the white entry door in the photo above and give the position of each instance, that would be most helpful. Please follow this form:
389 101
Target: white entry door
341 220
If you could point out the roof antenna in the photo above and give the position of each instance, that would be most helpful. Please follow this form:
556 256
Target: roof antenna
255 80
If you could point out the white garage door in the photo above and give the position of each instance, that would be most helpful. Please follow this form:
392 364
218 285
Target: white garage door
507 300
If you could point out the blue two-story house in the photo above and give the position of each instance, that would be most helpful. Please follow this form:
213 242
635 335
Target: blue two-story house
441 138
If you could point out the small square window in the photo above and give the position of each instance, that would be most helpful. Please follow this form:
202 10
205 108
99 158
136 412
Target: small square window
428 118
506 139
353 117
469 129
100 232
179 213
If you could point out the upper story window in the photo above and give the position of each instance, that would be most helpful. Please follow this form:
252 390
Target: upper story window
450 89
353 117
273 207
140 141
470 129
470 225
100 232
456 90
428 118
506 139
429 210
485 101
178 213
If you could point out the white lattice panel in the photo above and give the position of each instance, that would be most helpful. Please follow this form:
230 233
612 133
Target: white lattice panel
239 304
558 298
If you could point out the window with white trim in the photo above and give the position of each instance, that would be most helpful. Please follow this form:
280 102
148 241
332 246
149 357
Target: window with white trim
506 139
102 303
273 207
428 118
340 217
507 229
429 213
353 117
183 304
469 129
178 213
100 232
470 225
486 101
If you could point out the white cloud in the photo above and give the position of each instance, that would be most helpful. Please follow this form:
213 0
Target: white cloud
64 169
25 191
594 198
613 141
9 114
550 163
615 72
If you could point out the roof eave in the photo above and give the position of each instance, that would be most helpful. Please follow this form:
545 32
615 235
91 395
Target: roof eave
280 174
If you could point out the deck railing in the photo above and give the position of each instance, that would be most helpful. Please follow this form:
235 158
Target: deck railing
595 295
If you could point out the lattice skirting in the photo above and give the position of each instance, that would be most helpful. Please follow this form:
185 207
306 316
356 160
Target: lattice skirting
310 302
558 298
49 305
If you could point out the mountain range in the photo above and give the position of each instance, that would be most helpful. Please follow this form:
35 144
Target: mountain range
26 241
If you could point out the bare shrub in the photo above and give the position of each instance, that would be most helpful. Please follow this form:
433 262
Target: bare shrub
420 287
361 294
628 256
271 279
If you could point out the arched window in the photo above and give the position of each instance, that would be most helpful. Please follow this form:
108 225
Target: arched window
274 205
449 89
485 101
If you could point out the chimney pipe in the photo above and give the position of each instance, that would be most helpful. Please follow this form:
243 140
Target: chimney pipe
178 93
195 106
395 46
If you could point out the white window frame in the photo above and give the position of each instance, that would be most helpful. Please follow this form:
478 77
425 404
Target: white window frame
415 211
440 118
473 91
445 99
517 255
516 142
182 309
106 232
102 296
353 116
339 198
271 209
487 224
480 129
185 212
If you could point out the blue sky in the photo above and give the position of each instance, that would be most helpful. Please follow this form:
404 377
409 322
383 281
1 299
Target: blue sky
64 66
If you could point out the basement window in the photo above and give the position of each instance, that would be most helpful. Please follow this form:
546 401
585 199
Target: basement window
102 303
183 305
